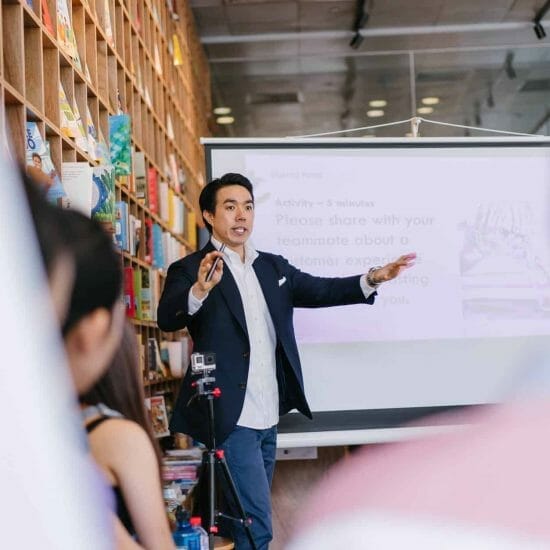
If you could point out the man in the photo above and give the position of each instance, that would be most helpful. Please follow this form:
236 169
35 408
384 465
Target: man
244 315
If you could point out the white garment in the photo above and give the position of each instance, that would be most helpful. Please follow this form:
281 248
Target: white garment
261 401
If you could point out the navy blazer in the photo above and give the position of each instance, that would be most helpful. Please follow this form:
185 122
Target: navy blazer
219 326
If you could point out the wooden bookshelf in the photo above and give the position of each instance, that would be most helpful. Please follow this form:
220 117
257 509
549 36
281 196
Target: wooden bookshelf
125 63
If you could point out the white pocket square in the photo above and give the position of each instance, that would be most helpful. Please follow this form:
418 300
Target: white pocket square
282 281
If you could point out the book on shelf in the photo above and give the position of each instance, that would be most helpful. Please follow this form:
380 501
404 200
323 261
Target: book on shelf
158 64
134 235
138 165
80 137
104 14
129 294
67 120
65 34
46 17
148 256
191 229
177 55
157 370
163 200
77 180
158 252
169 126
120 144
152 190
174 175
156 407
91 136
146 303
41 168
103 196
137 294
121 225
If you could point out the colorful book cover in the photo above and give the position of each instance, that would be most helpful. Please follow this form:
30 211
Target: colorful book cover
157 413
120 144
148 257
40 165
129 294
77 181
158 251
103 196
67 120
178 57
46 17
152 190
137 293
121 225
65 34
146 302
192 229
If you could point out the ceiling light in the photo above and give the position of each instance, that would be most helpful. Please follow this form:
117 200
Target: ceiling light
222 110
374 113
430 100
425 110
225 120
378 103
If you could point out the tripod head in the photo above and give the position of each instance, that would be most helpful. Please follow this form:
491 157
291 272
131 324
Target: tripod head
202 366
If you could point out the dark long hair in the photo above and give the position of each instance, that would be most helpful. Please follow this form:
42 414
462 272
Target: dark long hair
121 387
98 267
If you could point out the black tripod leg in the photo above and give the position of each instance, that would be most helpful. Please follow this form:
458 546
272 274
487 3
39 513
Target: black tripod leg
244 519
212 519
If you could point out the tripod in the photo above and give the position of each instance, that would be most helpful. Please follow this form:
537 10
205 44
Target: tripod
212 457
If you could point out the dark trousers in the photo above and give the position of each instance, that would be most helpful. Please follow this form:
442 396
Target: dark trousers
250 455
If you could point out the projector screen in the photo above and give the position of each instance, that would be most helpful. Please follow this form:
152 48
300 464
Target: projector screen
455 329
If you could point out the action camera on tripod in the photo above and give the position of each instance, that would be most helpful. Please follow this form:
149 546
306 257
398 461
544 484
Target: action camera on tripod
203 366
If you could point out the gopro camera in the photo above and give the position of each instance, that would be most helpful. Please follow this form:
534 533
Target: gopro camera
203 362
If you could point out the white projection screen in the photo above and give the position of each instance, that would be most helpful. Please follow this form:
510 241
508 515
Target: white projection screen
456 329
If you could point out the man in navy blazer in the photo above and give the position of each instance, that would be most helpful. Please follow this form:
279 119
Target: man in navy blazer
244 313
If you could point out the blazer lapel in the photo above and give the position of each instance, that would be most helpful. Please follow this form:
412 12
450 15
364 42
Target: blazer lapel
268 278
228 288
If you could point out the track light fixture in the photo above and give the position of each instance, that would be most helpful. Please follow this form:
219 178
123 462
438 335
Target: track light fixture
356 41
361 19
539 30
540 33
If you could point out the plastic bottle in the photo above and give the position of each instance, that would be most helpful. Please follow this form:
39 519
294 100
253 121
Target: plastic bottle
203 535
185 537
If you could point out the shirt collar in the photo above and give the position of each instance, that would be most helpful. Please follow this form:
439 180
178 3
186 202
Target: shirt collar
250 253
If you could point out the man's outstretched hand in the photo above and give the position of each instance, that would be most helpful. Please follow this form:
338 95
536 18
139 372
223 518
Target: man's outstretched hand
392 270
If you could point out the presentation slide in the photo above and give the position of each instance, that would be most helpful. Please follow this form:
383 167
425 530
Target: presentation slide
454 329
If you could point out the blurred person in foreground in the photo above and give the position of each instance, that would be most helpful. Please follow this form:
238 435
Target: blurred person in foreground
482 486
124 446
85 279
51 495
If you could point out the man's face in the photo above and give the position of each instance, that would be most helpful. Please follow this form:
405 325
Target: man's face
233 218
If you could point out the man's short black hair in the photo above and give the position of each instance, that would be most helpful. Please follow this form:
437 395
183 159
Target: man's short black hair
207 199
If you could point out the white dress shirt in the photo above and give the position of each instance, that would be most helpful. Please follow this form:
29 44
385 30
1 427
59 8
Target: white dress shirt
261 401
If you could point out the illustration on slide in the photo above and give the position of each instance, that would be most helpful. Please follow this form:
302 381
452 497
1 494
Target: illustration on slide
503 275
